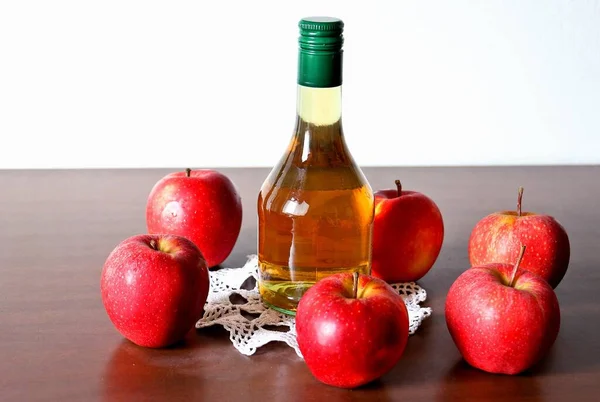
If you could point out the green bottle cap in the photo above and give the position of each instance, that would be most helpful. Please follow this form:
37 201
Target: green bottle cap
320 52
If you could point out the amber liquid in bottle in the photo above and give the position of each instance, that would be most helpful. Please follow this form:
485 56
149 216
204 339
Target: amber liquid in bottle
315 209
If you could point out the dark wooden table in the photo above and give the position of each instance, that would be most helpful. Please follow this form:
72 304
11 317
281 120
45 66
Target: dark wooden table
57 344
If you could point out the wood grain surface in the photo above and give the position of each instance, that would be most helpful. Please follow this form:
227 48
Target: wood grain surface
57 344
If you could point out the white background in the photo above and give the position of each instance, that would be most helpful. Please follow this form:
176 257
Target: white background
212 83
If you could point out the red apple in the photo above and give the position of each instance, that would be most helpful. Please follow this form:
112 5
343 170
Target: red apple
154 288
351 329
408 232
498 237
202 205
502 319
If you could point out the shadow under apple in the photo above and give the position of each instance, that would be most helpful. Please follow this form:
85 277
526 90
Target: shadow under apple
313 390
138 373
465 383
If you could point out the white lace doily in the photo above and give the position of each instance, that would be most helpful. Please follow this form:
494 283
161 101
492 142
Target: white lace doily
251 324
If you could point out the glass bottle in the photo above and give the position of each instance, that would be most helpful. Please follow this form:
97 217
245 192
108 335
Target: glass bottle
316 208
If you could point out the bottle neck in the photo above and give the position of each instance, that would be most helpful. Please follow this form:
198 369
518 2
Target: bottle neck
319 99
318 139
319 106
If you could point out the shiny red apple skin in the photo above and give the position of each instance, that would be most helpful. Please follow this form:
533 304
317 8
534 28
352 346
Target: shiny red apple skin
204 207
501 329
499 236
154 288
408 232
348 342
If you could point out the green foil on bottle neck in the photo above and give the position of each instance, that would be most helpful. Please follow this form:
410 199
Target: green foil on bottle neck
320 52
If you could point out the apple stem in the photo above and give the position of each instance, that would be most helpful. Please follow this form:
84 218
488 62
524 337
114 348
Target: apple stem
519 200
153 244
398 187
187 172
515 269
354 285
